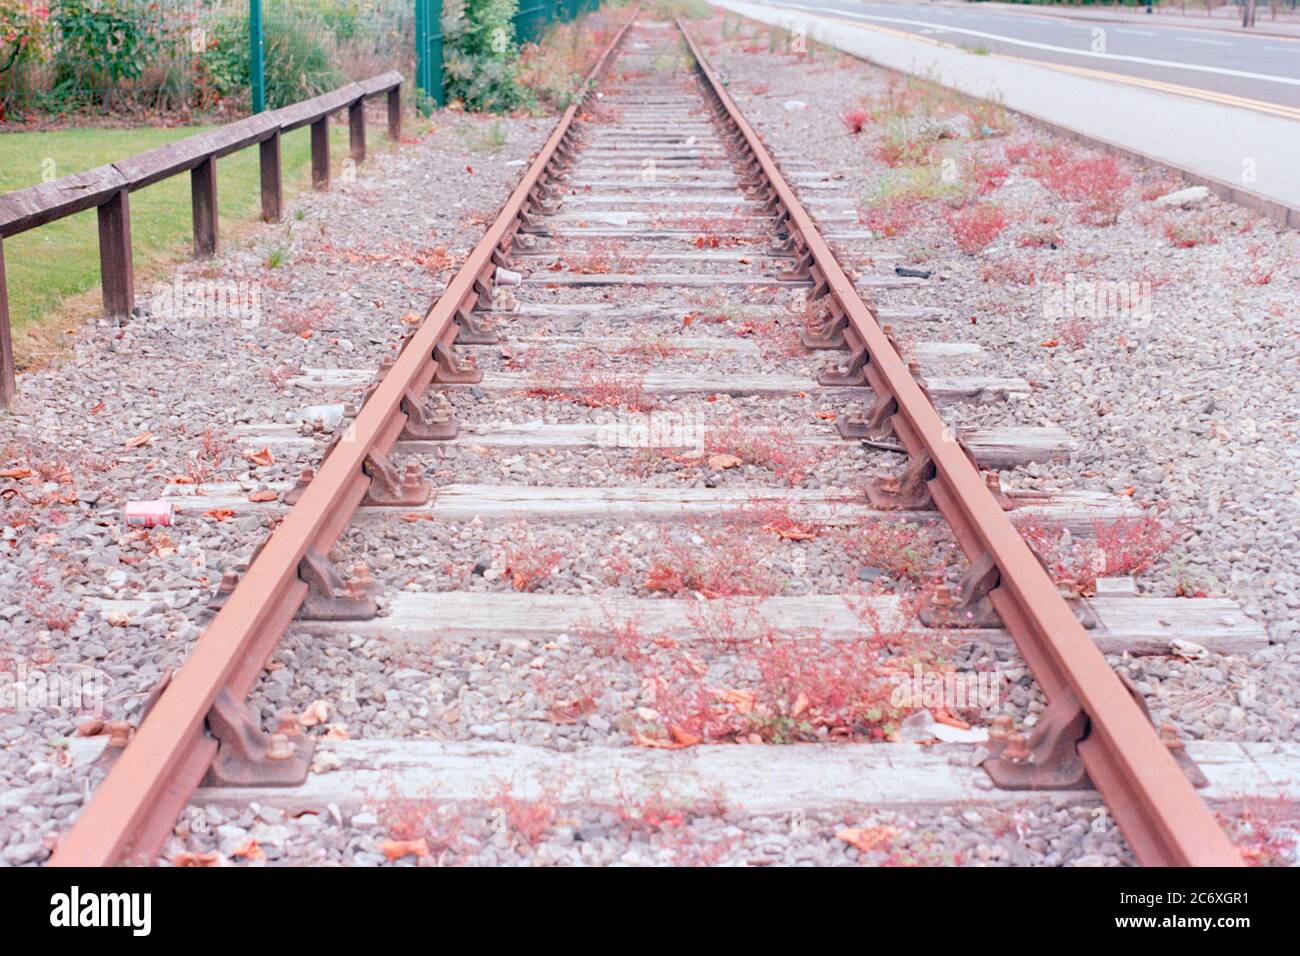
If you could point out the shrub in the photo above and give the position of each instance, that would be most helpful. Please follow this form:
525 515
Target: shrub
102 43
974 227
479 52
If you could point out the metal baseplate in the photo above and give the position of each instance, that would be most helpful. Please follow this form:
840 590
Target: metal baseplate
1048 759
476 328
969 607
332 598
908 491
249 757
452 370
859 422
851 373
389 488
428 423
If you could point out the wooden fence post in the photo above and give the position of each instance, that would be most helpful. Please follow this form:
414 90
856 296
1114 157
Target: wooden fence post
115 268
8 384
272 181
203 199
320 153
395 114
357 131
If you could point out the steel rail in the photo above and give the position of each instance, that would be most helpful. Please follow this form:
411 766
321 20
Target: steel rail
135 808
1152 801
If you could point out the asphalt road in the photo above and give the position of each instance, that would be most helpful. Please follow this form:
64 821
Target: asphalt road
1258 68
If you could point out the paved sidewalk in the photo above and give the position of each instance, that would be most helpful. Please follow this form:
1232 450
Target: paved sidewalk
1243 153
1264 27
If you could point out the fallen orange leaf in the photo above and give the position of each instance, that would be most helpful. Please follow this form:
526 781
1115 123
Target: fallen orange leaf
263 457
16 473
144 438
219 514
867 838
249 851
199 859
943 717
1049 343
317 712
396 849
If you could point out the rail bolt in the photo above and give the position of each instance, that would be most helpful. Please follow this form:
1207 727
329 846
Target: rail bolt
279 748
1017 748
287 725
1001 728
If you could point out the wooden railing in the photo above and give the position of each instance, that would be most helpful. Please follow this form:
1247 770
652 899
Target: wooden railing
108 188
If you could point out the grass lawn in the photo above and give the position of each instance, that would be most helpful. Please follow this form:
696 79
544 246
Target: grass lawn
52 263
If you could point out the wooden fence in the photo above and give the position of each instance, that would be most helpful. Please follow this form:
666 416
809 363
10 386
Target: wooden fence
108 188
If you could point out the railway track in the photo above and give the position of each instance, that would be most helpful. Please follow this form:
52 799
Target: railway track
641 333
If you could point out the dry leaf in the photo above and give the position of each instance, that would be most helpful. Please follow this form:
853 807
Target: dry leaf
801 703
867 838
943 717
144 438
219 514
317 712
263 457
248 851
682 737
828 416
16 473
792 532
199 859
1049 343
742 700
396 849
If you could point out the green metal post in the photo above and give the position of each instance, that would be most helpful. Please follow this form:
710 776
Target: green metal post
428 53
257 55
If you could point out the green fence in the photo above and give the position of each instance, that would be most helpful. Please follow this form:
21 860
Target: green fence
180 56
177 57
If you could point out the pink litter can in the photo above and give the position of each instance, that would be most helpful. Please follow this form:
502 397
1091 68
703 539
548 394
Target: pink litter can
148 514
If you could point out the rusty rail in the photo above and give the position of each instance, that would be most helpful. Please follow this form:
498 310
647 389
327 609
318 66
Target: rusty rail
108 188
1152 800
137 805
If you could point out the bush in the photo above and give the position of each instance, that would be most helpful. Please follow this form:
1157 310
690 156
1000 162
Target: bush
101 43
479 52
299 65
22 35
